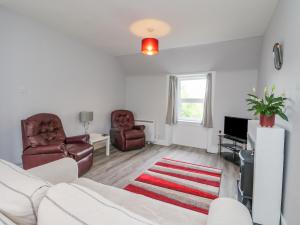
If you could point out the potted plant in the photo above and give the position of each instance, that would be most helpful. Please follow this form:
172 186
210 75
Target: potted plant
267 107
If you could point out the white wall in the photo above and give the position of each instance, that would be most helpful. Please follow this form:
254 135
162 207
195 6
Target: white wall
235 62
146 96
284 28
230 91
235 55
43 71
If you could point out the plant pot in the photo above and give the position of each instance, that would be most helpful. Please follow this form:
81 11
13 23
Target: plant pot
266 120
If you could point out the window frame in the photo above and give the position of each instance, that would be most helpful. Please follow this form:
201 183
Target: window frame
200 76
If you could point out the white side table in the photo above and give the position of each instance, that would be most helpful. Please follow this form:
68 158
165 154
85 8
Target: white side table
98 141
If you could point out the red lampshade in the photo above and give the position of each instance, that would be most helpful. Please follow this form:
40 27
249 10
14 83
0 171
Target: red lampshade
149 46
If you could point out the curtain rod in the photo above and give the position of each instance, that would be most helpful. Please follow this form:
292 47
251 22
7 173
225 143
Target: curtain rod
192 74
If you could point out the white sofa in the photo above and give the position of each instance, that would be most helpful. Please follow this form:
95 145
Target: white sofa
65 199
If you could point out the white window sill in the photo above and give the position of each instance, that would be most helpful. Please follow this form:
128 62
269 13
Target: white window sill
190 122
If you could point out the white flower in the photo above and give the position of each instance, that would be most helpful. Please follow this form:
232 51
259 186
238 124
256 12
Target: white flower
266 90
254 90
273 88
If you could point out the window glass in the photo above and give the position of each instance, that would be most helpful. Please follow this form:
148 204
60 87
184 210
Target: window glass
191 98
192 88
191 111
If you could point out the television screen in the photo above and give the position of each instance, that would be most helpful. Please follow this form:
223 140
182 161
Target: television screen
236 127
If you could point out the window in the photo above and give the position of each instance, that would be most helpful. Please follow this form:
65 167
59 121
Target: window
191 93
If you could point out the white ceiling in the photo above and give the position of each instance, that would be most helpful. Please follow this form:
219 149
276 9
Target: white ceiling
106 23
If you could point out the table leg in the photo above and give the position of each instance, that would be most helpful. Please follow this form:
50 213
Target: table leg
107 146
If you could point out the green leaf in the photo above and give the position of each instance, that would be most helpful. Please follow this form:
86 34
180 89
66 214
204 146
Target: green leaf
283 116
268 105
252 95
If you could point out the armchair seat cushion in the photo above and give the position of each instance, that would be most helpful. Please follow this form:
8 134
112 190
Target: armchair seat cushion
79 150
134 134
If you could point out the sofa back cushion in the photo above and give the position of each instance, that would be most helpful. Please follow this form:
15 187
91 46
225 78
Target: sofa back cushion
75 204
20 193
42 129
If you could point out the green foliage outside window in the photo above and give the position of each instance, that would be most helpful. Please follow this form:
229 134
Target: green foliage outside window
193 111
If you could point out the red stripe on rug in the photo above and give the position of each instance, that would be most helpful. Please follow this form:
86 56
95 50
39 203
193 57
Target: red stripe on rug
162 198
185 177
191 164
145 178
187 169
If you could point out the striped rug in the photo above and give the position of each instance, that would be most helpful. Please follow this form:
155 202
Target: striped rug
188 185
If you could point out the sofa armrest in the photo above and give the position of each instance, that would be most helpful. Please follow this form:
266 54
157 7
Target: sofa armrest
226 211
139 127
62 170
78 139
45 149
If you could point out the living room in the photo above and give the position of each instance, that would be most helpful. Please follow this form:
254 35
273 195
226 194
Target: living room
85 61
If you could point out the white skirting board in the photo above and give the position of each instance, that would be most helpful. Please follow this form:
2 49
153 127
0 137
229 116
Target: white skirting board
162 142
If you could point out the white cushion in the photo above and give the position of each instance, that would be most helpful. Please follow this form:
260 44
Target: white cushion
20 193
59 171
226 211
74 204
5 221
152 209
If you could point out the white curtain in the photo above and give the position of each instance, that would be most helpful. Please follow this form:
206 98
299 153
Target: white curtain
207 120
172 100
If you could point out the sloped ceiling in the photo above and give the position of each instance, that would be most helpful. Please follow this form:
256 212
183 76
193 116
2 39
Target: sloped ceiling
106 23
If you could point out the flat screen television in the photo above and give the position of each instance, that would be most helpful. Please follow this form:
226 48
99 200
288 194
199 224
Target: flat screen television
236 127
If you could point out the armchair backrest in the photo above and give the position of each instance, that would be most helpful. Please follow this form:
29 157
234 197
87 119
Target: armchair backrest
122 119
42 129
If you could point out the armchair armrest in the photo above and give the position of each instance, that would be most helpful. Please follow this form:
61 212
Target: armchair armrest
45 149
139 127
117 130
117 136
62 170
78 139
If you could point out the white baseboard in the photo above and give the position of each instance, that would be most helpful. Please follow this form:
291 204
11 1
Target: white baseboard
162 142
283 221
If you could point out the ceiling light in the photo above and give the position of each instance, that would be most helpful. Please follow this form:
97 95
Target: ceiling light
150 30
149 46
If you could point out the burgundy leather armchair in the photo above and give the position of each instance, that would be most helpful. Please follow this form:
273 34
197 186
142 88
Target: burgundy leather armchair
124 134
44 141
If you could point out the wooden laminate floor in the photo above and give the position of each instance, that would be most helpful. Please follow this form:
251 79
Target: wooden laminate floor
120 168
